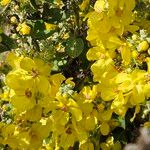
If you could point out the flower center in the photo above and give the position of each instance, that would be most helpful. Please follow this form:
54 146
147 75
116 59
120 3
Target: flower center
64 108
28 93
68 131
34 72
119 12
38 96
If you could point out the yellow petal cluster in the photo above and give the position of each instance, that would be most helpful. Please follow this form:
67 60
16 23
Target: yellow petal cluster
5 2
23 28
34 91
47 110
119 85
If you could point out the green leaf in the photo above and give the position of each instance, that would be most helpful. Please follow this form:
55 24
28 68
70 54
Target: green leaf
39 25
7 43
39 32
74 47
44 34
51 15
122 122
33 3
3 48
49 1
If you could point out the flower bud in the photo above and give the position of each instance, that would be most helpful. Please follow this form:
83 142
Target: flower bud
13 20
143 46
24 29
135 54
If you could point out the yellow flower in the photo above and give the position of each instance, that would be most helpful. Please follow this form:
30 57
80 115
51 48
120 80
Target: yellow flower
13 60
7 94
59 117
134 86
108 89
69 105
143 46
89 93
110 144
86 106
13 20
100 6
31 82
17 78
35 67
71 134
109 19
11 138
104 146
125 82
55 82
5 2
135 54
122 10
37 133
104 128
119 105
137 96
147 124
33 114
22 84
50 26
68 138
89 119
28 91
102 67
106 115
90 122
125 54
24 29
87 146
42 92
96 53
84 5
70 82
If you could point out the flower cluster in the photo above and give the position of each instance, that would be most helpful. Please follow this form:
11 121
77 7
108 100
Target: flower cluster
121 82
43 111
32 92
63 102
